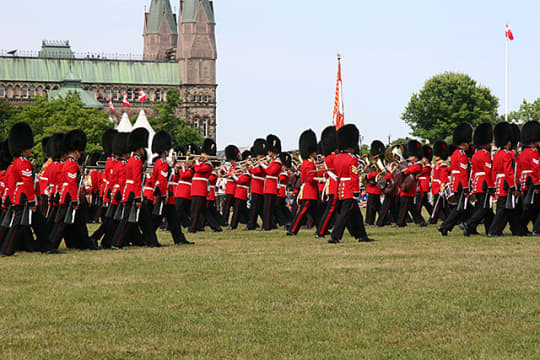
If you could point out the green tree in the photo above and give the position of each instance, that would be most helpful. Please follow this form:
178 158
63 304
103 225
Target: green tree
527 112
61 115
181 132
445 101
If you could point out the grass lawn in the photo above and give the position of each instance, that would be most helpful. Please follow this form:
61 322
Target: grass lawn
412 294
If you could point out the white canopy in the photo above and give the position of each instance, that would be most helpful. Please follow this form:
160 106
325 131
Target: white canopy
142 122
124 125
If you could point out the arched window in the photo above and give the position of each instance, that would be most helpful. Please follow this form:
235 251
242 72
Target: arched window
2 91
32 91
115 94
130 94
204 130
196 121
158 95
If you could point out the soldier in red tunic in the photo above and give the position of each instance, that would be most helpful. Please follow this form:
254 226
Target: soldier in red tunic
24 198
182 192
330 151
373 206
242 177
44 176
309 192
257 183
283 214
232 155
271 181
459 175
439 181
424 181
503 177
346 165
482 185
406 196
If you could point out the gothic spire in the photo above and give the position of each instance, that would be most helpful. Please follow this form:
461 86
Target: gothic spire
160 10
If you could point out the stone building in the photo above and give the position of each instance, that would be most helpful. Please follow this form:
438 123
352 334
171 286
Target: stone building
179 53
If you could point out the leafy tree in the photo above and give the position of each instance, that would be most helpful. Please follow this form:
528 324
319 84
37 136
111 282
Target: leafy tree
181 132
445 101
60 115
527 112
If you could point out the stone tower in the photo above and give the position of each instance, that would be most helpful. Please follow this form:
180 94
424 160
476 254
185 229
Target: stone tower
160 32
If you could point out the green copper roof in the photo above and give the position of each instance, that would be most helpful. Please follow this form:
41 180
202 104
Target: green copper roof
189 11
71 84
56 51
158 10
90 71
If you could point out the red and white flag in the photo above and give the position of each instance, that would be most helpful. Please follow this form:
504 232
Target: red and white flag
142 96
338 116
125 101
508 33
111 106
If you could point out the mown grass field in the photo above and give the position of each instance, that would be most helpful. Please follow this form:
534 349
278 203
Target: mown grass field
235 295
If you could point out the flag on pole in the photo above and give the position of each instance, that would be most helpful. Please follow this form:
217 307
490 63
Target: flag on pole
508 33
125 101
338 116
142 96
111 106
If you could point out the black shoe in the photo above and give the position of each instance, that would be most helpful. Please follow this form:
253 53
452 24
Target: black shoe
465 229
54 251
218 230
187 242
317 236
230 228
444 232
534 233
365 239
115 248
261 230
333 241
290 233
494 235
422 224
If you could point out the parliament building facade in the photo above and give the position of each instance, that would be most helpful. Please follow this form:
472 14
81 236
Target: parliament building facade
179 53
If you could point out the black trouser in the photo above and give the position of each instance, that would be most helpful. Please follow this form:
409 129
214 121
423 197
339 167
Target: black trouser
515 217
44 205
439 209
76 234
228 202
255 210
479 213
530 212
18 232
501 217
406 205
283 214
173 223
422 201
240 213
454 214
199 213
328 215
348 216
306 207
183 209
389 210
269 211
127 231
213 216
373 207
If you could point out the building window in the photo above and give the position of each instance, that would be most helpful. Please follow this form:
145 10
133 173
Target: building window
196 121
2 91
158 95
204 131
32 91
115 94
130 94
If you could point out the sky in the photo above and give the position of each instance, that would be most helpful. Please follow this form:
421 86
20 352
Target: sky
277 59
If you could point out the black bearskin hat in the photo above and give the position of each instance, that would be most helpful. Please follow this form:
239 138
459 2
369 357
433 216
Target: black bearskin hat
161 142
232 153
462 134
137 139
120 144
483 134
75 140
209 147
259 147
180 150
530 132
440 149
273 144
193 149
377 148
414 148
470 151
246 154
20 138
286 159
329 140
451 149
107 141
45 146
348 136
5 156
404 151
428 152
94 158
307 143
502 133
56 144
516 134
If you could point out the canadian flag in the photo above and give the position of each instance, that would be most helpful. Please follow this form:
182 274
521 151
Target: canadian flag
508 33
142 96
125 101
111 106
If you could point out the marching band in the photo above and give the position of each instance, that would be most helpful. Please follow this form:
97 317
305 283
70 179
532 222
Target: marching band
467 183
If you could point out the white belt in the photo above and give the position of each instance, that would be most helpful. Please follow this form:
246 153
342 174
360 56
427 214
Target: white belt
526 172
130 182
116 186
212 187
282 186
345 179
437 181
500 176
272 177
481 173
199 179
230 180
456 172
257 178
20 183
105 181
184 183
172 183
148 188
243 186
422 178
43 178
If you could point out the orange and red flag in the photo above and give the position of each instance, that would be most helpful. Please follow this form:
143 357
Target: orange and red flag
338 116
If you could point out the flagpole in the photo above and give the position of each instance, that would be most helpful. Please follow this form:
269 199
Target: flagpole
341 88
506 84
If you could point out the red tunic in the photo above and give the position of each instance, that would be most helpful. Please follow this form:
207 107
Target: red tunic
183 189
481 170
120 180
459 174
309 190
108 179
70 180
242 186
529 167
133 178
272 176
200 182
372 189
502 172
346 166
440 176
257 179
148 191
424 179
231 184
332 177
212 180
283 182
23 177
413 169
10 184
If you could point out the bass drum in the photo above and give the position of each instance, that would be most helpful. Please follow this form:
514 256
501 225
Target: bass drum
447 193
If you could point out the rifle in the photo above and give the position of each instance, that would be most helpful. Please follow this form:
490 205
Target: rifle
71 212
528 200
510 203
135 211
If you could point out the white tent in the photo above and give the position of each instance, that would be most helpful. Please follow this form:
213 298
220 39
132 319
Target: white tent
142 122
124 125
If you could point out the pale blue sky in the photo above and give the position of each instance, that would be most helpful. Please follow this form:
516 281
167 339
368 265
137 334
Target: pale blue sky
277 59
